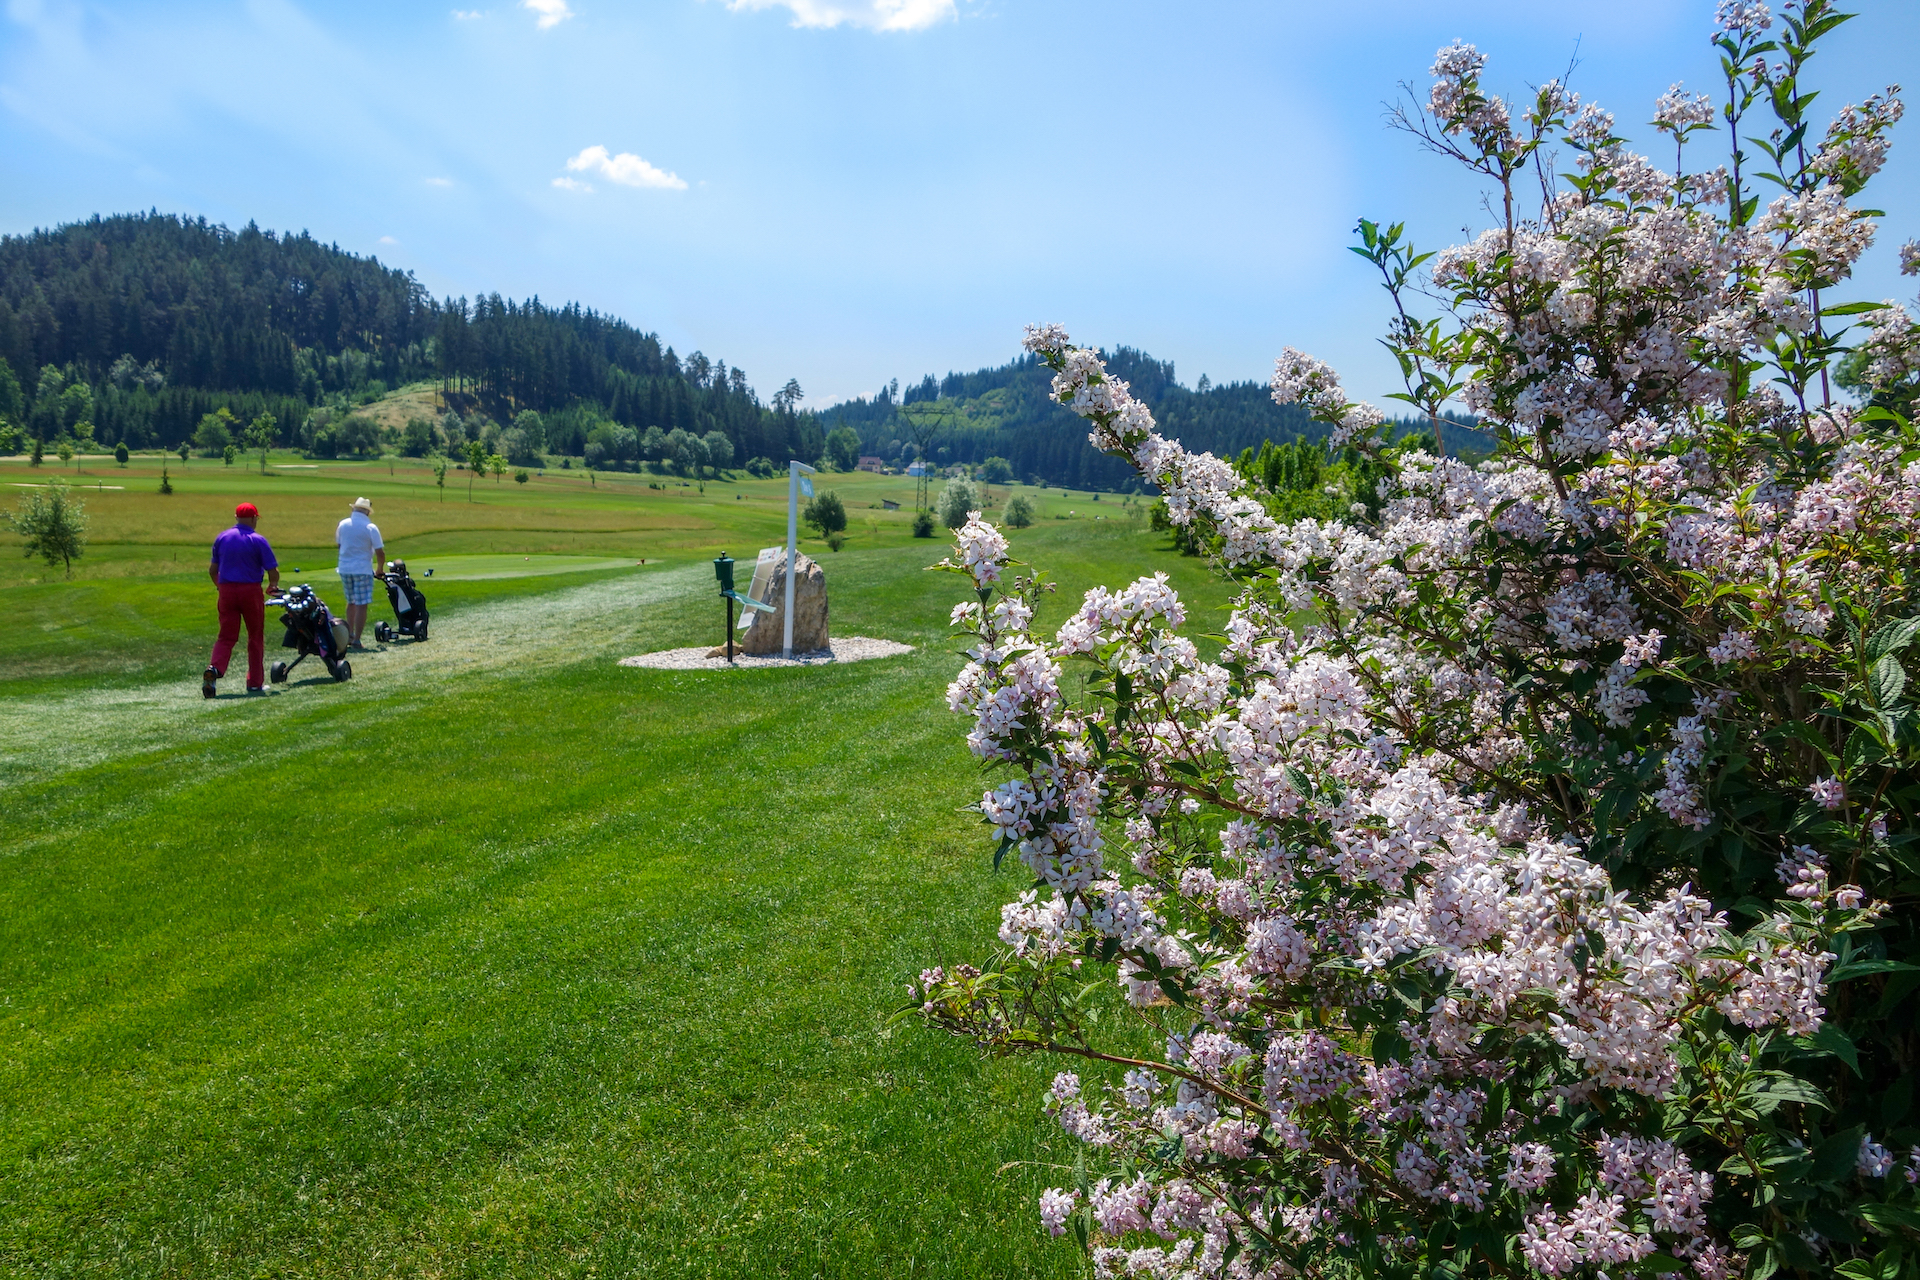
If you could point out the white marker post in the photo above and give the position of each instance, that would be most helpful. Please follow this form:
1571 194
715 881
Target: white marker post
794 481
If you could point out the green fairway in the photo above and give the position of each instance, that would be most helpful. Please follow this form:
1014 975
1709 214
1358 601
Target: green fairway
502 959
481 568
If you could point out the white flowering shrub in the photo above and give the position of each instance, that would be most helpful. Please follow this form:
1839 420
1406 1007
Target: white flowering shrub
1525 881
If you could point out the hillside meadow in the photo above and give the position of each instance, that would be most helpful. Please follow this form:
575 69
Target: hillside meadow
502 959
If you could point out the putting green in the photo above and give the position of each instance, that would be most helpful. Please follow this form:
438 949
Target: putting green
473 568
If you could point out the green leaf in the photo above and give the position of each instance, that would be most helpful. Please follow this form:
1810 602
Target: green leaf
1853 308
1892 638
1861 968
1783 1089
1886 681
1836 1158
1888 1217
1831 1040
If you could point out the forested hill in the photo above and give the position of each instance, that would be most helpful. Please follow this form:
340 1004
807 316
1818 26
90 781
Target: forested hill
1009 412
140 324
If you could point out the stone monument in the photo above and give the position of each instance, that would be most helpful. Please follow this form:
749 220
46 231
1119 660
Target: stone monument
765 632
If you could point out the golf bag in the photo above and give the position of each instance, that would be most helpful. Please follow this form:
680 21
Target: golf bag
311 629
409 606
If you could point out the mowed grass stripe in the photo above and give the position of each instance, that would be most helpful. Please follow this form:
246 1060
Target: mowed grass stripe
532 967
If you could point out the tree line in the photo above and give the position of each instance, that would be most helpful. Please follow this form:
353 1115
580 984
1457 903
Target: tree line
1009 412
139 325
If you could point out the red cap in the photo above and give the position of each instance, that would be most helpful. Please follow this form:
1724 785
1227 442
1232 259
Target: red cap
246 511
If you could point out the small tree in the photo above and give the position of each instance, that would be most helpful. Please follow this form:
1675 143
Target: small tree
39 452
497 466
994 471
956 500
166 482
520 476
826 513
65 449
843 449
440 478
54 524
228 454
923 524
183 449
120 453
214 435
260 436
476 463
417 440
1019 512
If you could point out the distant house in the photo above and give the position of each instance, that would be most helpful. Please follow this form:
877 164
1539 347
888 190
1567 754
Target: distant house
888 504
875 465
917 469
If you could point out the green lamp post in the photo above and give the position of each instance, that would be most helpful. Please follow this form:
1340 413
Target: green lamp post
723 570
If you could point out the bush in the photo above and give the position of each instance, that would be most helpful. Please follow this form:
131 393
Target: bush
826 513
228 454
956 500
120 453
520 476
1546 906
1019 512
836 540
762 467
923 525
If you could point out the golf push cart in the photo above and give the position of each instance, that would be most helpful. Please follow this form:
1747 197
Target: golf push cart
409 606
311 629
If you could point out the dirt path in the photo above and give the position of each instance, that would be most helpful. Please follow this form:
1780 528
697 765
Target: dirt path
47 735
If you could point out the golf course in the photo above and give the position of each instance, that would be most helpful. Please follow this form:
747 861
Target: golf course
502 959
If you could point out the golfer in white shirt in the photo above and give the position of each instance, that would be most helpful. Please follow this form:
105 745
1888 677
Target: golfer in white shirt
362 555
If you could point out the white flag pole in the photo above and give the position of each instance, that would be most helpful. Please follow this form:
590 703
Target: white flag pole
793 529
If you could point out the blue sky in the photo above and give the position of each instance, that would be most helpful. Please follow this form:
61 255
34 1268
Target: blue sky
846 191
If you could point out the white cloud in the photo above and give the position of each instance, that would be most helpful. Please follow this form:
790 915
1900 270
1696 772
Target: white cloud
627 169
438 182
469 15
573 184
552 12
880 15
388 240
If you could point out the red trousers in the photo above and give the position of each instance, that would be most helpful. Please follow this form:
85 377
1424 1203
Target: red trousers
243 602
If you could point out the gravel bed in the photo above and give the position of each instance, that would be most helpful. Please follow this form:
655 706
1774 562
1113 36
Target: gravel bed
845 649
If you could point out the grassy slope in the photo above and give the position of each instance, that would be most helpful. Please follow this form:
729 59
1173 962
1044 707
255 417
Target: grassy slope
503 959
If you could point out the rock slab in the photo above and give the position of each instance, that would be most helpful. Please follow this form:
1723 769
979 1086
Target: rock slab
765 632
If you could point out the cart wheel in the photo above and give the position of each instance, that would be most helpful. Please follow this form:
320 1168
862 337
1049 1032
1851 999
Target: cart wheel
420 633
382 632
344 671
278 673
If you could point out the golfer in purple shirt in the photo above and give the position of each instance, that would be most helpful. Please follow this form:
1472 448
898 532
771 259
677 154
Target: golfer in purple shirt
241 558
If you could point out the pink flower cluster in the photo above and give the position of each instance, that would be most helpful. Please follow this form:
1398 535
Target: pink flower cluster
1351 868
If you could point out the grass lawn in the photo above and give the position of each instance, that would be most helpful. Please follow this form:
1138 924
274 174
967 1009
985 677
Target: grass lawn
502 959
